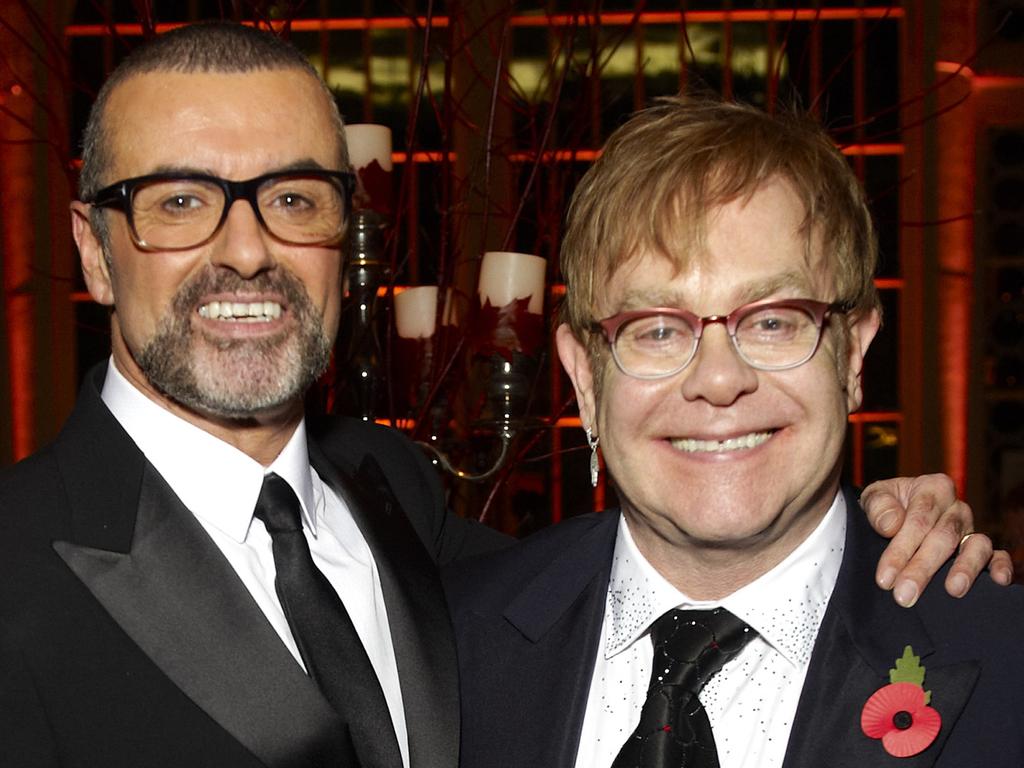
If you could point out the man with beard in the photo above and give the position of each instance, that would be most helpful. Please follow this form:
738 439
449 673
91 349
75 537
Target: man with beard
188 578
141 622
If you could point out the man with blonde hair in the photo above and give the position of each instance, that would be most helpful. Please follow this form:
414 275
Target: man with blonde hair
720 300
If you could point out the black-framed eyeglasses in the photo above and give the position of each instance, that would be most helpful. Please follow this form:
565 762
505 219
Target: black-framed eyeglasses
178 211
769 335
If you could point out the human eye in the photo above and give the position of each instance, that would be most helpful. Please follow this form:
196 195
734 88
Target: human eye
175 199
657 333
775 324
181 203
297 196
293 201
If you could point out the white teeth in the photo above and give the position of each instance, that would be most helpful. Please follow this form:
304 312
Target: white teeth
252 312
752 440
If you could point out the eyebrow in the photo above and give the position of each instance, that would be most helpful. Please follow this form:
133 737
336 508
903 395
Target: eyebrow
302 164
791 282
787 282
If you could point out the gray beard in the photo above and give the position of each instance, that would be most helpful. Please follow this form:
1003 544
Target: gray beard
236 378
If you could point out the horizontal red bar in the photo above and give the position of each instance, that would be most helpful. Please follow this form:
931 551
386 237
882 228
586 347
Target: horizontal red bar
864 417
893 148
587 155
610 19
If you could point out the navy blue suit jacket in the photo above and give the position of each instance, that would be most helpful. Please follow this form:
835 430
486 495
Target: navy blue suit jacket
528 622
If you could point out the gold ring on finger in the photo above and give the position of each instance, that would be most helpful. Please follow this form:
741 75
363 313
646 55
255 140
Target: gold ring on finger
966 536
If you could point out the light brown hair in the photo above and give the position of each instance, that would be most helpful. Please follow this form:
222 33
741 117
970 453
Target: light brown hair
669 165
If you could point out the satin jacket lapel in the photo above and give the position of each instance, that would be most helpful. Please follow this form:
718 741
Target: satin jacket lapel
417 613
862 635
534 666
184 606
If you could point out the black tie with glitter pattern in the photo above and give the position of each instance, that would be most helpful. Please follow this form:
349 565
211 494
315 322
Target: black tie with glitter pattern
674 730
327 640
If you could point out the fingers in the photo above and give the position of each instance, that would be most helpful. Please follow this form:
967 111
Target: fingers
974 555
885 504
1000 567
929 536
884 510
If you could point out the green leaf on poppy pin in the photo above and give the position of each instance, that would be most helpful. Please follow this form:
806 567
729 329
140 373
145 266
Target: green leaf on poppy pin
908 669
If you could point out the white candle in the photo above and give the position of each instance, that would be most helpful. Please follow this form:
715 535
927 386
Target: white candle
368 142
416 312
506 276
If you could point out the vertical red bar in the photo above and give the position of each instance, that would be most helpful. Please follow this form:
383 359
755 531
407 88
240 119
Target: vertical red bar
18 244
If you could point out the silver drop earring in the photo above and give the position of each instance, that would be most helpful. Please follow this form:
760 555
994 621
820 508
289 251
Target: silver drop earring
595 467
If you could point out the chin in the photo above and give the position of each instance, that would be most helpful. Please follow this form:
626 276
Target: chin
731 524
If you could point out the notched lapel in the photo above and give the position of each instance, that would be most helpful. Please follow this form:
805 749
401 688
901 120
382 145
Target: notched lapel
861 636
181 602
532 658
827 728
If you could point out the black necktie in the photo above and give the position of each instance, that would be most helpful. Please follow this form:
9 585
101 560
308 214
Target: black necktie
674 730
328 644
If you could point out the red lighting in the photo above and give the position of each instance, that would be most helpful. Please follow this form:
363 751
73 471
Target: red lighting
610 19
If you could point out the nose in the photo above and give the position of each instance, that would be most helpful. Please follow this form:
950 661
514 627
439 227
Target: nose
717 374
242 244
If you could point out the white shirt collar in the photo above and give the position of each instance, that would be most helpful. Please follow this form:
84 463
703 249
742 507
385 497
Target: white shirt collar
785 605
217 482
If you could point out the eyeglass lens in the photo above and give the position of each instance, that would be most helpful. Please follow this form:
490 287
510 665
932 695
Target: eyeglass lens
770 337
181 213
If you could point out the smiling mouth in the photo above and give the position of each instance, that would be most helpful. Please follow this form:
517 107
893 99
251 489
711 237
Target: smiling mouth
241 311
741 443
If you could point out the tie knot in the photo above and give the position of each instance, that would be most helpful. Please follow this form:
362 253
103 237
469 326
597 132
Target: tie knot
698 643
278 506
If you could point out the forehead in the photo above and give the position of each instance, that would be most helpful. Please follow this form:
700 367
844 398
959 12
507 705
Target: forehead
752 247
235 125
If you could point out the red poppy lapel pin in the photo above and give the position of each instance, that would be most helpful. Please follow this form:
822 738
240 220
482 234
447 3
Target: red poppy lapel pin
898 713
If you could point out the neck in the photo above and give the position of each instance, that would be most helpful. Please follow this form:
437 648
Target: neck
712 570
703 573
262 437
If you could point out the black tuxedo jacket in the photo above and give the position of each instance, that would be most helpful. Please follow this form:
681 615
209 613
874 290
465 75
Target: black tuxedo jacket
126 639
528 622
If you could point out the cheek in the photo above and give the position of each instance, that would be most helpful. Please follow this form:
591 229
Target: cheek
823 398
626 407
322 279
142 295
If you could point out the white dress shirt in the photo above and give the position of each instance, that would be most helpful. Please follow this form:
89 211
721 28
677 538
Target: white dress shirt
219 484
752 701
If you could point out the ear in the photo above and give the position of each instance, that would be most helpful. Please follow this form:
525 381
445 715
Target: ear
90 251
863 328
576 362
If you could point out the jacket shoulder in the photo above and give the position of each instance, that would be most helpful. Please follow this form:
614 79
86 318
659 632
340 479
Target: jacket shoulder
416 484
988 620
31 494
496 577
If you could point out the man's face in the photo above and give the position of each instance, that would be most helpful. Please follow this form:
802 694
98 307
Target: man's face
236 126
720 456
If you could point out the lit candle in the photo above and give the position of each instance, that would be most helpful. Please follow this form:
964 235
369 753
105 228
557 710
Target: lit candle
506 277
369 151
